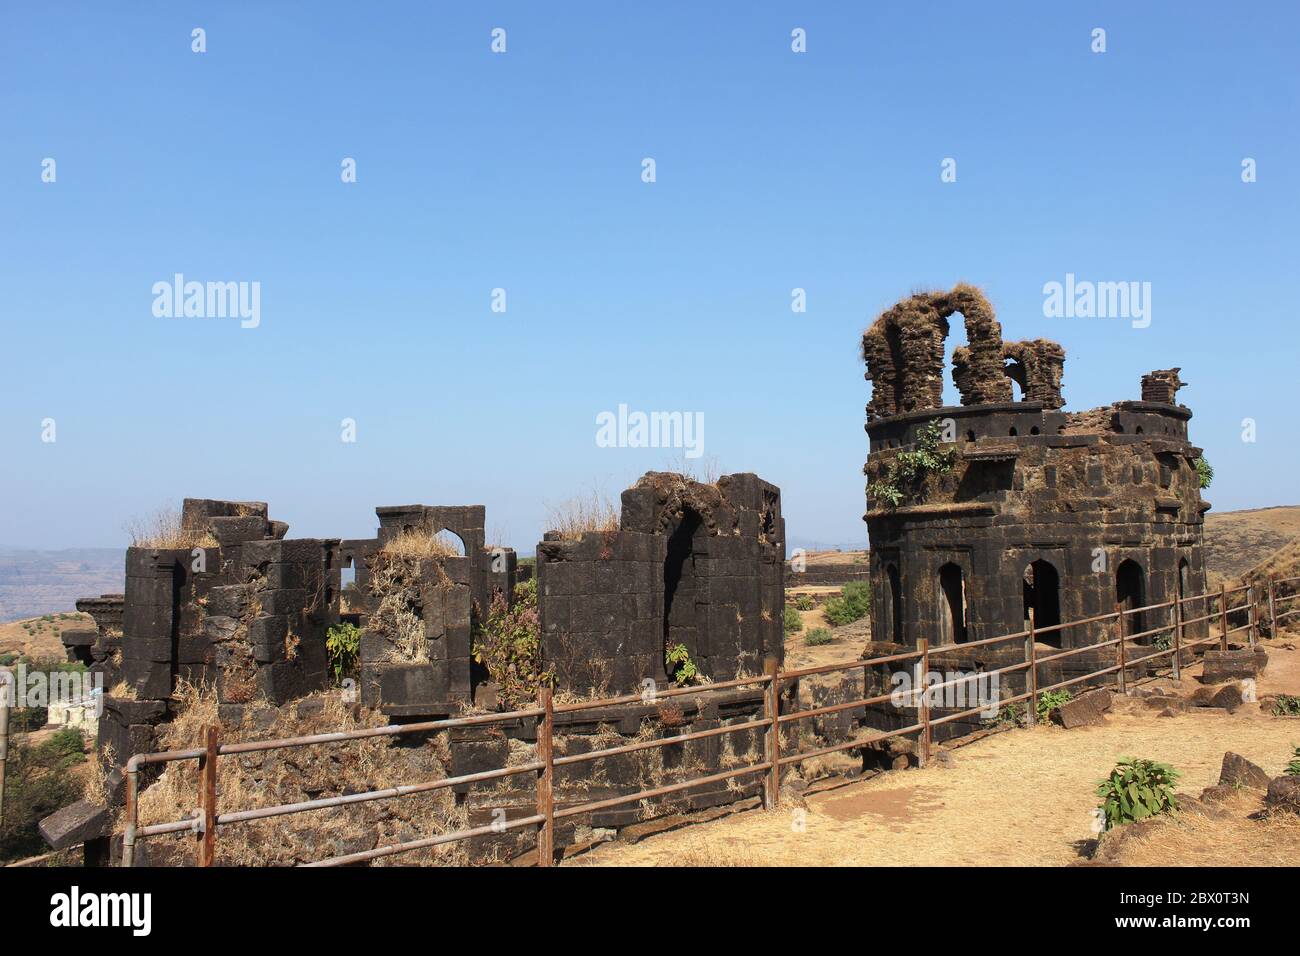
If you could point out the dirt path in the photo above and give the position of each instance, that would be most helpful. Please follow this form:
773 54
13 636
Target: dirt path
1019 798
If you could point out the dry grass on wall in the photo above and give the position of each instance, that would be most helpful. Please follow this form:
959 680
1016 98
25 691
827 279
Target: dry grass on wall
577 516
287 776
162 529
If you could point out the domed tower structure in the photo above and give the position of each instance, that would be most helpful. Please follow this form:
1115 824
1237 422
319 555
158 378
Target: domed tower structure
979 512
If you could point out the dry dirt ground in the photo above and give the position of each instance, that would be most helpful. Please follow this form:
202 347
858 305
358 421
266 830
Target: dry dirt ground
1024 797
37 638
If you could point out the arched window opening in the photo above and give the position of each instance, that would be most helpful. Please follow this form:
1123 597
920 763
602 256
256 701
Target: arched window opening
1130 593
1042 592
895 604
952 605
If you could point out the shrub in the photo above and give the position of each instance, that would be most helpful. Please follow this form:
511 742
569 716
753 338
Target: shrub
1137 789
509 645
575 517
792 622
1009 715
7 659
37 784
851 604
1293 768
818 636
683 670
804 603
1286 705
67 746
1048 701
343 644
1204 473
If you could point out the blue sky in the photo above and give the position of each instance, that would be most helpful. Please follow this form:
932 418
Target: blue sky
522 171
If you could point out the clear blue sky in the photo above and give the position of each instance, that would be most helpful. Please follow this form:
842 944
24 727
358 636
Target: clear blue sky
523 171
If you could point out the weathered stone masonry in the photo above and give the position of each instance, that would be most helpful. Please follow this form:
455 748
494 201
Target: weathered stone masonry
1067 513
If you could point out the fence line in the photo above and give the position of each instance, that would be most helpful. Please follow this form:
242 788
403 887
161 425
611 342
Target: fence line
207 819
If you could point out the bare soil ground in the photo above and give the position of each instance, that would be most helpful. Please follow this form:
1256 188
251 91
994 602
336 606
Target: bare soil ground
37 638
1023 797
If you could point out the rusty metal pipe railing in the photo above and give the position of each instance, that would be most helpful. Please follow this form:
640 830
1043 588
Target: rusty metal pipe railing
773 678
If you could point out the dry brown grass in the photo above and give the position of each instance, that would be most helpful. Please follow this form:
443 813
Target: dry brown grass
287 776
577 516
162 529
1243 836
1023 797
417 543
96 783
123 691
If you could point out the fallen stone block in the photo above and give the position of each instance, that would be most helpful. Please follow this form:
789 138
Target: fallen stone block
1284 794
1163 703
1229 697
1221 666
1085 710
1239 772
75 823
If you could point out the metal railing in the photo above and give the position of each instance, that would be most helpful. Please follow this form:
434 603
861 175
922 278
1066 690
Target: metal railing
204 824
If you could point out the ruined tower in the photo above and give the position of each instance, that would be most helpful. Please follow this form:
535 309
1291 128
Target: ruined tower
1018 504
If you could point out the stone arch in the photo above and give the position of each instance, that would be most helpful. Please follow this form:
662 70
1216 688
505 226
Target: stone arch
904 348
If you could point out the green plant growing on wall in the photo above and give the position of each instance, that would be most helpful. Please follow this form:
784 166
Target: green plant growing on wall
909 468
1137 789
852 604
792 622
343 644
1204 473
679 663
509 645
1049 700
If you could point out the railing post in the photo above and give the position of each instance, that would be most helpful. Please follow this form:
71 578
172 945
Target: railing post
6 682
1031 679
545 778
132 815
1178 638
1223 617
924 709
1272 610
1252 615
207 834
772 693
1119 627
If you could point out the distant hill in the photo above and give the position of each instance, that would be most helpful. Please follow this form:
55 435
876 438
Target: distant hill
1236 541
33 583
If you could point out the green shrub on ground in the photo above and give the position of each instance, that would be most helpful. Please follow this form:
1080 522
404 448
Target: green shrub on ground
1049 700
804 603
792 622
1293 768
851 604
818 636
1286 705
37 783
1136 789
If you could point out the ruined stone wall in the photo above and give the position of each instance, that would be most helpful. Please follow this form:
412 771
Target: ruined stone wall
693 564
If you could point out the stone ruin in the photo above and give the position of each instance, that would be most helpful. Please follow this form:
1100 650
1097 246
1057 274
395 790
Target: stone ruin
247 610
1068 513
